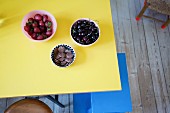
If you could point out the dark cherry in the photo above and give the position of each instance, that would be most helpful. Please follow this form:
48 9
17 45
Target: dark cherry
88 41
79 21
93 37
92 24
85 39
78 38
79 30
79 26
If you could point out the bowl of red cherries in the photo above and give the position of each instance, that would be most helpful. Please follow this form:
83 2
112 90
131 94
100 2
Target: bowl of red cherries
39 25
85 32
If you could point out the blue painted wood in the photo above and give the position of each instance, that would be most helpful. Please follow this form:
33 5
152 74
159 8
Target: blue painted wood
104 102
81 102
90 110
114 101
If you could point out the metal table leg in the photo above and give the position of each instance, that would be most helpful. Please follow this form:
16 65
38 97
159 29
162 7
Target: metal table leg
55 100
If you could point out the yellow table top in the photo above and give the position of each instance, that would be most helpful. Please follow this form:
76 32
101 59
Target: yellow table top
25 66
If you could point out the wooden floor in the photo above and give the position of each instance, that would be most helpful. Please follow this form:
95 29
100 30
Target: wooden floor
147 49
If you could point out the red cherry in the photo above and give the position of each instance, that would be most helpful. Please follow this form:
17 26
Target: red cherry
38 17
30 32
48 23
35 24
40 37
49 29
41 23
36 30
28 24
34 35
27 28
31 20
45 18
48 33
44 35
42 28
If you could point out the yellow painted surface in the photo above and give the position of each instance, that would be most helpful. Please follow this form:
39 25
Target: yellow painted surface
26 67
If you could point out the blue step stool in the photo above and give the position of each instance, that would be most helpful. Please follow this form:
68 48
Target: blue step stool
106 102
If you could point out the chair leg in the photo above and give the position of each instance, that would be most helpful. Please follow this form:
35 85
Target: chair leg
142 11
166 23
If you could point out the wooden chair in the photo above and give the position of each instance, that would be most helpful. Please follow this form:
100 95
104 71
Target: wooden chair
28 106
161 6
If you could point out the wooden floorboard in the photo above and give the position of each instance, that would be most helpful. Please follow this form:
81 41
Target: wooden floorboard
142 61
152 81
48 102
64 99
125 44
155 65
3 105
71 103
147 49
164 42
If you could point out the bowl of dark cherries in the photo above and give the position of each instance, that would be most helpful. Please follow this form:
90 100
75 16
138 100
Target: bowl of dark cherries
85 32
63 55
39 25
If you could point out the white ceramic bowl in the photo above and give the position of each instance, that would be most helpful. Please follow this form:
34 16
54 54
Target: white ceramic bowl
67 47
31 15
90 21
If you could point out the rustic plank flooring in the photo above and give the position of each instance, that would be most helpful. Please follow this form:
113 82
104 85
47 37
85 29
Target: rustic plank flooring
147 49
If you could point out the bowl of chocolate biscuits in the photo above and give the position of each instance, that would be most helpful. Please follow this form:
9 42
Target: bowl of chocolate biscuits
63 55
